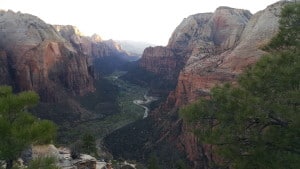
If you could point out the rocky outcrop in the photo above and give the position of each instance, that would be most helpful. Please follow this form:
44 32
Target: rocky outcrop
161 61
198 36
214 49
205 70
85 161
92 46
61 156
4 69
38 58
104 55
57 62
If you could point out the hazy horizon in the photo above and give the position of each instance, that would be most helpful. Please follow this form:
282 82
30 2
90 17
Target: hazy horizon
136 20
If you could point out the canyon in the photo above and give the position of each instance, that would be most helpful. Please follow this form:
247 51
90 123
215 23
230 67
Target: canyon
36 57
62 65
204 51
56 61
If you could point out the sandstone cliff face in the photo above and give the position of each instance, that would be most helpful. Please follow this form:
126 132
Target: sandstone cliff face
92 46
36 57
4 69
197 36
161 61
235 53
105 56
215 49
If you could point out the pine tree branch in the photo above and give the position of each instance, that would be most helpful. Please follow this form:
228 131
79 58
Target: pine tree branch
277 121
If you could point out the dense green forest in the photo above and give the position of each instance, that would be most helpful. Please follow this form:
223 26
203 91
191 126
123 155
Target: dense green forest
256 123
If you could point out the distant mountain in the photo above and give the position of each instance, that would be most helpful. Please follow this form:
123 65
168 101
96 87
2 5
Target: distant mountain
134 47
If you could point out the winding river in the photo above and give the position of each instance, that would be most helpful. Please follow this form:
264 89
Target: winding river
147 100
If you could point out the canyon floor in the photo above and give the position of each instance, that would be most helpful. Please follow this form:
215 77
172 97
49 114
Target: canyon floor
117 102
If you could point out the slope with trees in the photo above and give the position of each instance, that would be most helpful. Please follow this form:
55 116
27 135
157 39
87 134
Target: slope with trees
256 123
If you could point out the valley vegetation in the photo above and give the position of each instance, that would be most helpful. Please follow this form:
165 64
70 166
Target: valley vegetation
255 124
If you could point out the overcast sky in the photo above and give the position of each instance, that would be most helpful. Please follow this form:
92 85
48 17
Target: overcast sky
140 20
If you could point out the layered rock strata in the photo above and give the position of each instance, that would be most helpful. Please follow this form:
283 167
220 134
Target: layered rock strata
205 70
213 49
36 57
92 46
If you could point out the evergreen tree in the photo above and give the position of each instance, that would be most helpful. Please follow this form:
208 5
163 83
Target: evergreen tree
256 125
153 162
18 128
43 163
289 28
89 144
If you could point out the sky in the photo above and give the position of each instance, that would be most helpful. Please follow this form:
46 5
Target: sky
151 21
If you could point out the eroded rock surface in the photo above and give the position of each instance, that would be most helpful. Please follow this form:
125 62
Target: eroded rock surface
36 57
211 49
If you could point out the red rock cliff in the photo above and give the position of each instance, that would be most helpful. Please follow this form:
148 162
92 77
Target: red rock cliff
216 48
168 61
38 58
92 46
161 61
233 53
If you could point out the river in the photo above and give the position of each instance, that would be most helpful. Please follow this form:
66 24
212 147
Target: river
147 100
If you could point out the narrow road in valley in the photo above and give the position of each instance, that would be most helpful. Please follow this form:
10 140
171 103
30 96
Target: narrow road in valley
147 100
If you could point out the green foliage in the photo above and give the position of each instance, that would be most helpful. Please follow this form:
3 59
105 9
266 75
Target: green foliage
256 125
181 165
43 163
289 29
18 128
87 144
153 162
112 103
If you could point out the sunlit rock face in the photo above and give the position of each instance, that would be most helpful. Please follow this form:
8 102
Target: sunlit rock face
232 53
214 48
36 57
92 46
196 37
